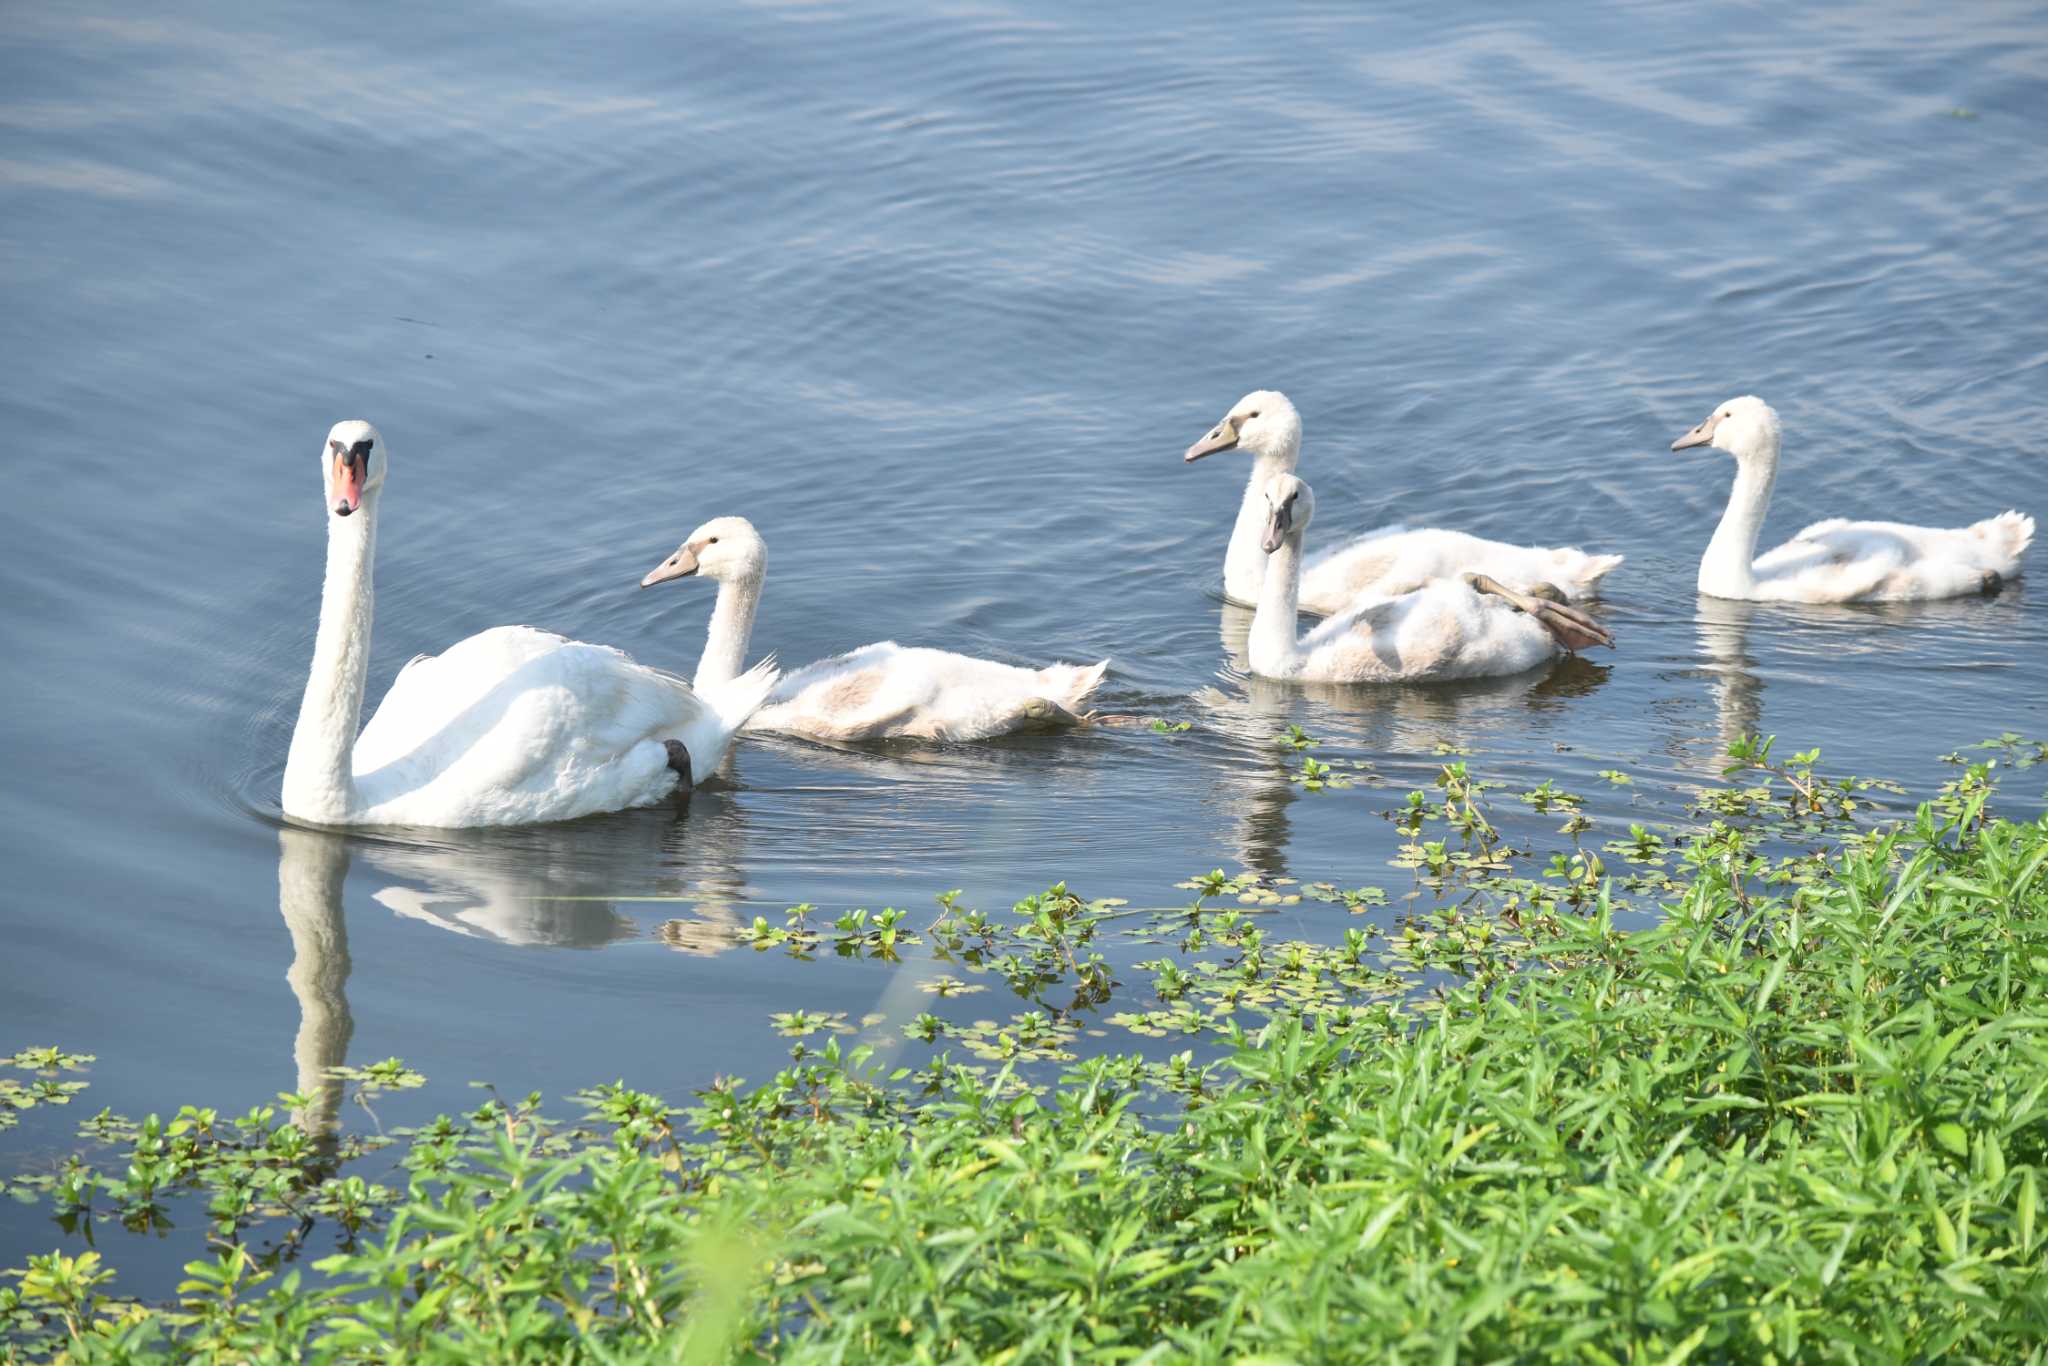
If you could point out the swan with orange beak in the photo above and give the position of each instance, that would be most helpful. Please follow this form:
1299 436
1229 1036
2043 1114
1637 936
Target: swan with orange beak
348 468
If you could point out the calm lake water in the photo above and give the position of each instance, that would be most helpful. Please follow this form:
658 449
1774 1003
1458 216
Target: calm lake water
936 299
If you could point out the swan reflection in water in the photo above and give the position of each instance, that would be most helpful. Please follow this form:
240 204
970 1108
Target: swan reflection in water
311 866
563 886
543 885
1399 720
1806 645
1736 688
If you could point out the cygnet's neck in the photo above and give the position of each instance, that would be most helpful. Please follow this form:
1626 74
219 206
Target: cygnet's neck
319 778
730 629
1726 569
1244 563
1273 646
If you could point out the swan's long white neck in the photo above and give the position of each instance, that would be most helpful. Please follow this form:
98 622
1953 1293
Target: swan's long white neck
1726 569
731 627
1244 563
319 776
1273 647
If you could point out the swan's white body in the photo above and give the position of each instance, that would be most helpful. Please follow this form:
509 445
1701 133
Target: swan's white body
1384 563
880 691
509 727
885 689
1442 630
1837 560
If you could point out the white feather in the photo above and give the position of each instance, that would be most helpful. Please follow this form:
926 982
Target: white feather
1442 630
1386 562
1838 560
508 727
878 691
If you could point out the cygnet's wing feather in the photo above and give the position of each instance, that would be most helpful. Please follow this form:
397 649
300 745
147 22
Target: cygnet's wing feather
1843 561
1443 630
1395 560
886 690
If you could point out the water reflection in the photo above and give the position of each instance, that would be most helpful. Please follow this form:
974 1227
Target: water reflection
567 885
1722 626
1391 722
1403 713
311 866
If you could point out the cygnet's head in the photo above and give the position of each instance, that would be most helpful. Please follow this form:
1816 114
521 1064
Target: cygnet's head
1289 505
351 465
723 548
1263 423
1746 428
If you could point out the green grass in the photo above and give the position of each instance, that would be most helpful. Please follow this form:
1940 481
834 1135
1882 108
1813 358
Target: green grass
1804 1117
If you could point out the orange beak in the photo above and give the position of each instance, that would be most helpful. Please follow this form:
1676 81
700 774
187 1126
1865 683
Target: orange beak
348 482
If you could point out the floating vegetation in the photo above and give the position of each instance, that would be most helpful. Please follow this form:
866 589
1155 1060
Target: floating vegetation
1801 1111
48 1085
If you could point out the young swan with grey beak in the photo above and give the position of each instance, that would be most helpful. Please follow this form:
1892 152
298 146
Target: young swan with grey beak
880 691
1392 560
1837 560
1462 627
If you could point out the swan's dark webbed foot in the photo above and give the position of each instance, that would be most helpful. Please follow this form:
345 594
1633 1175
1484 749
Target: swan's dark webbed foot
679 760
1993 582
1568 626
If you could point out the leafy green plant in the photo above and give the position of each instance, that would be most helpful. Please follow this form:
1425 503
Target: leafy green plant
1800 1112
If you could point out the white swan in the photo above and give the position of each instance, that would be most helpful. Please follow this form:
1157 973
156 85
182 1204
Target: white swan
1466 627
879 691
508 727
1385 562
1837 560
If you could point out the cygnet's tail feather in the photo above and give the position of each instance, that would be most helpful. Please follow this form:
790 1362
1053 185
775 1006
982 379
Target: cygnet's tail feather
1085 680
1599 567
740 698
2008 534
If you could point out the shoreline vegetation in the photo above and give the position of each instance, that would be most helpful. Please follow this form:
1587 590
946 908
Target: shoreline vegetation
1800 1114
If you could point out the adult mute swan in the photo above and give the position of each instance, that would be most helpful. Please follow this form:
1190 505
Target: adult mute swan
1386 562
1465 627
879 691
1837 560
508 727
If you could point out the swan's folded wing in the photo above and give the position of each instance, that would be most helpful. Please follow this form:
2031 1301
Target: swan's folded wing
1832 561
432 691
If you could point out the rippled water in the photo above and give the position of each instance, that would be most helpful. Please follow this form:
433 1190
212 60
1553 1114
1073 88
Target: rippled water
936 299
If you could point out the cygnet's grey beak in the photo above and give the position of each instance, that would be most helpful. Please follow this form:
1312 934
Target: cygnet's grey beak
680 565
1702 435
1278 523
1224 438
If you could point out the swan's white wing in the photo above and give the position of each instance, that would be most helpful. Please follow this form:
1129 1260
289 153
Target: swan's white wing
432 690
515 725
1397 560
886 690
1835 561
1443 630
1844 561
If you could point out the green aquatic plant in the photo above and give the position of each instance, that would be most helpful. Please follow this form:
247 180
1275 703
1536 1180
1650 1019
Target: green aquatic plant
47 1087
1802 1112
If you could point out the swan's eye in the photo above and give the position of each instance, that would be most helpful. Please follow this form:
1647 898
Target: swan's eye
1251 415
712 541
